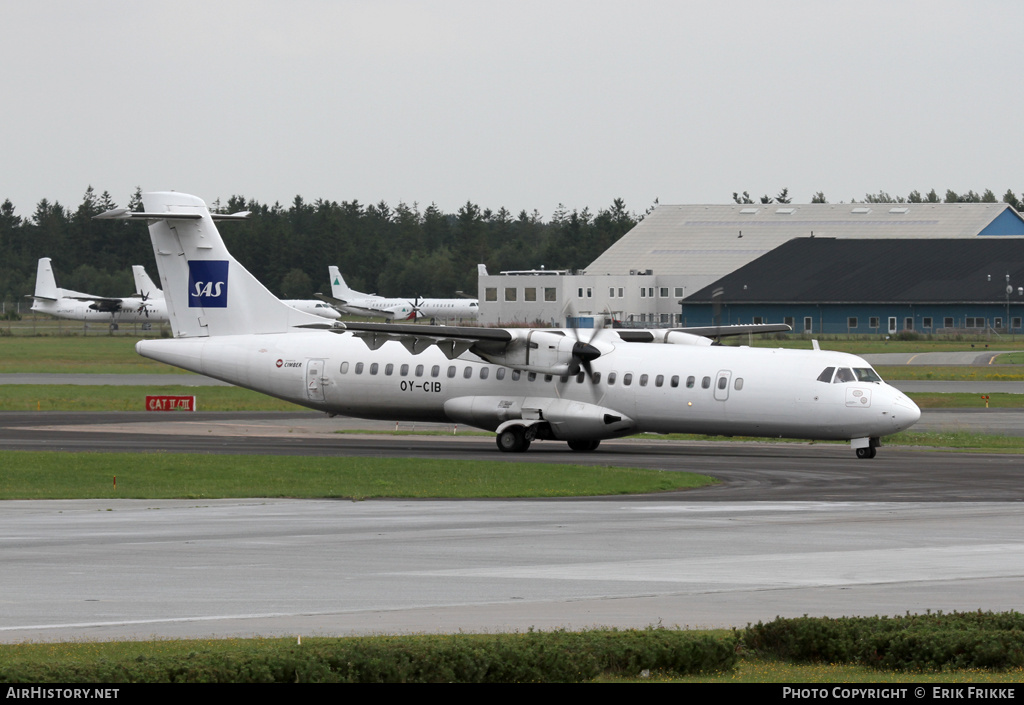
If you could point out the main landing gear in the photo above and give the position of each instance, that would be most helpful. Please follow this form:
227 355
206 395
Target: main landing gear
515 439
866 452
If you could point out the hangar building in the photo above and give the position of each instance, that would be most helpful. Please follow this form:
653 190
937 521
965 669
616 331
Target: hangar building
677 250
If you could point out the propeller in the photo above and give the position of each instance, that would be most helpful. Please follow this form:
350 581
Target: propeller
584 352
143 307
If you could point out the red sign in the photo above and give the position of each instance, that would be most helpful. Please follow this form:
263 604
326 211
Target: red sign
168 403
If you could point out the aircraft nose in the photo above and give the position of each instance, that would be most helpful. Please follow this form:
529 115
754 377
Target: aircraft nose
905 413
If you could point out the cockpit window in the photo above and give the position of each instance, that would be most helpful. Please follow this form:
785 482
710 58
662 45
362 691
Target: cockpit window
866 374
826 375
844 374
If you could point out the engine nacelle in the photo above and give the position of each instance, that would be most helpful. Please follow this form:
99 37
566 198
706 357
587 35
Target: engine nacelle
550 352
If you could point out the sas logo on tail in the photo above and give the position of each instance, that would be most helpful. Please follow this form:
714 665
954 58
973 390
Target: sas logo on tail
208 284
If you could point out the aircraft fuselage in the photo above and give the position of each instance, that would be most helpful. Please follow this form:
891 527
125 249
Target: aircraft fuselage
636 387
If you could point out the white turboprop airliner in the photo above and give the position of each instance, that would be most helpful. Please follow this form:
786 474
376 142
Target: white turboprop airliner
64 303
356 303
524 384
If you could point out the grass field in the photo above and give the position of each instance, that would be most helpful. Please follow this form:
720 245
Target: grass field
54 475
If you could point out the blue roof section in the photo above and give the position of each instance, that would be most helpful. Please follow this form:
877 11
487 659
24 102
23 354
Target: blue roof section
1006 223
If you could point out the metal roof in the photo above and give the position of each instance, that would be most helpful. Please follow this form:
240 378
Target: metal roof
714 240
827 270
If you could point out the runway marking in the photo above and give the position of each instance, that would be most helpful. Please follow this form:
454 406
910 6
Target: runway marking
911 359
168 620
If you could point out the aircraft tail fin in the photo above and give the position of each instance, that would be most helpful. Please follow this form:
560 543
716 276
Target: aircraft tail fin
144 286
46 283
481 270
207 291
340 289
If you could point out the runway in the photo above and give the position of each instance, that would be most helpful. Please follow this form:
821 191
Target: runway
792 529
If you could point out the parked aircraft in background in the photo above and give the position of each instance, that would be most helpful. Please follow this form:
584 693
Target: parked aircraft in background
315 307
64 303
523 384
356 303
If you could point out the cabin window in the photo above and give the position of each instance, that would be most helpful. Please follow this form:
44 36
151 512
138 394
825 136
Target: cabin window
435 371
500 374
689 381
359 368
738 384
659 380
484 371
564 379
596 378
344 368
675 381
548 378
580 377
404 370
373 368
611 378
531 376
826 375
705 383
388 369
627 379
723 382
468 372
419 370
451 371
643 380
516 374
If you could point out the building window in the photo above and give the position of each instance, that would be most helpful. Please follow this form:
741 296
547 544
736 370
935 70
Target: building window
873 322
550 293
590 293
643 292
510 293
926 323
530 293
808 324
947 322
491 293
679 292
758 320
1016 322
851 322
997 322
611 292
620 292
663 292
908 323
579 293
788 320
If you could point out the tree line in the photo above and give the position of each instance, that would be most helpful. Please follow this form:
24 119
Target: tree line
393 251
915 196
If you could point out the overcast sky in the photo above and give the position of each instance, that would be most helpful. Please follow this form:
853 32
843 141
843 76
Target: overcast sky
517 104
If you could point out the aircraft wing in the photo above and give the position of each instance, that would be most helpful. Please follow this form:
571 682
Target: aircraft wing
125 214
99 303
452 340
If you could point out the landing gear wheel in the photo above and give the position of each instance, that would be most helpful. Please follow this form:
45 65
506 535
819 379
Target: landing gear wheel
866 452
513 440
583 446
